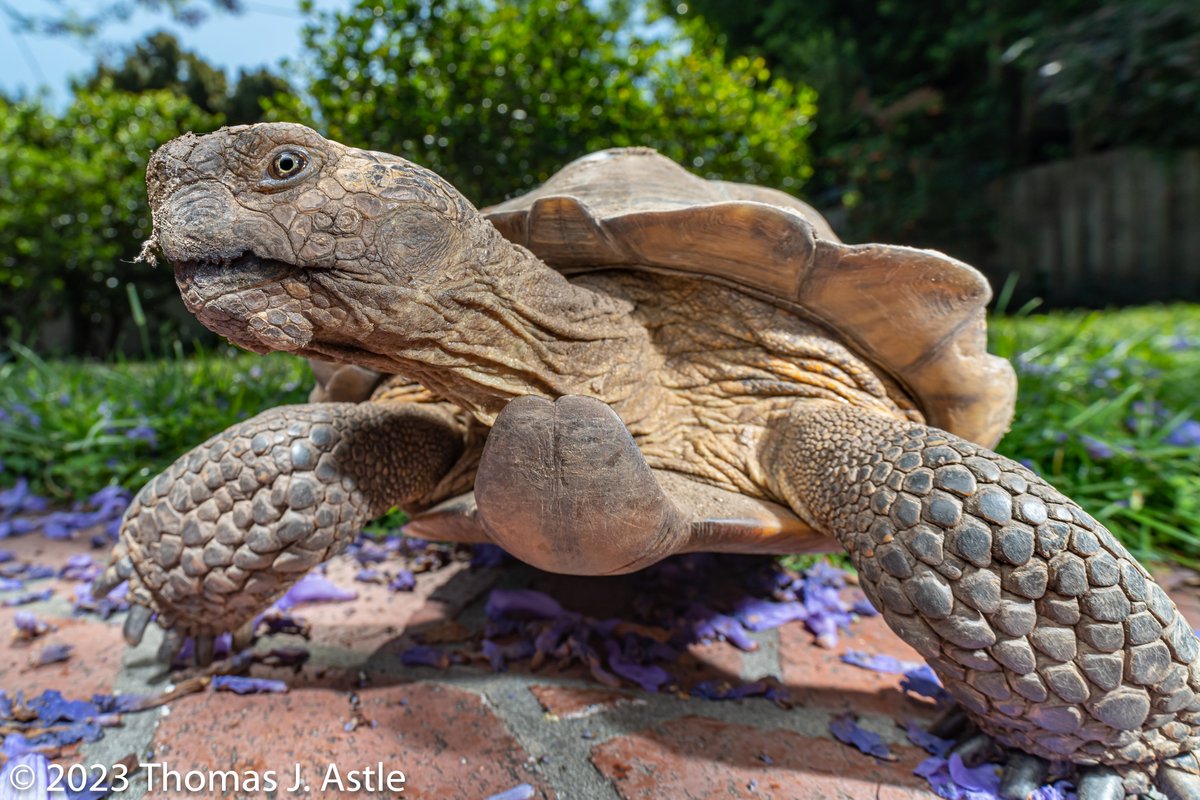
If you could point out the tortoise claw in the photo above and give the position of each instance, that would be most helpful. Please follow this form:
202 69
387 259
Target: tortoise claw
974 749
1023 775
243 637
1179 778
205 645
116 573
1099 783
171 644
953 723
135 623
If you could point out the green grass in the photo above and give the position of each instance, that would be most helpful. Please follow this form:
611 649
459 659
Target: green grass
71 428
1101 393
1100 396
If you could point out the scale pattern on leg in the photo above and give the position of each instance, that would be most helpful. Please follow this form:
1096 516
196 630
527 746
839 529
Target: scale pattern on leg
233 523
1034 616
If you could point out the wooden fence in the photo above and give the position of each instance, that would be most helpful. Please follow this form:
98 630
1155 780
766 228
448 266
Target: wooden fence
1118 228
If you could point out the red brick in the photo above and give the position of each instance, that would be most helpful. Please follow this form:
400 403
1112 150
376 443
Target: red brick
446 741
380 615
694 757
817 676
570 702
92 667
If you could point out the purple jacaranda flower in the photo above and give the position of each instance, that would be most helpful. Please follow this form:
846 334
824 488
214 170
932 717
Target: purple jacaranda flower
1060 790
487 555
16 745
80 567
32 418
404 581
649 677
520 792
7 556
314 588
29 626
1186 434
114 601
498 655
51 654
862 606
369 576
924 682
143 433
879 662
984 778
422 656
18 499
934 745
708 625
51 707
241 684
760 615
522 603
847 731
1096 449
367 551
36 572
768 688
29 597
29 769
11 584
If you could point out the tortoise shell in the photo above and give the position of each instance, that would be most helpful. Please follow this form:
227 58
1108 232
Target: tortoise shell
917 315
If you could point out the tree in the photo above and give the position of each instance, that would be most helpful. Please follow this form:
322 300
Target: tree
159 62
921 103
73 211
497 96
86 19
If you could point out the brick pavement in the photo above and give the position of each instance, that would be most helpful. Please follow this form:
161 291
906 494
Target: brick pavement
468 732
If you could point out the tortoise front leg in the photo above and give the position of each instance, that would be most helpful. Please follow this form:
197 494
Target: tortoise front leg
1041 624
224 531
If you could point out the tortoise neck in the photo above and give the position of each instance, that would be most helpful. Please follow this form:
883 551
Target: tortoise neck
509 325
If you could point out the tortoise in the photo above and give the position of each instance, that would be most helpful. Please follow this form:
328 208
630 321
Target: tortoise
629 362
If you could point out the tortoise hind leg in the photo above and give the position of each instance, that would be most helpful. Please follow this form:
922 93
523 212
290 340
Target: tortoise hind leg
1055 640
232 524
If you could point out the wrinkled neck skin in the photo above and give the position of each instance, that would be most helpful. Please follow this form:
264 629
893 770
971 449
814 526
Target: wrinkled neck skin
366 258
501 324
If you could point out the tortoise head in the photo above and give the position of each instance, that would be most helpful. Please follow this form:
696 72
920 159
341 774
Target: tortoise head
284 240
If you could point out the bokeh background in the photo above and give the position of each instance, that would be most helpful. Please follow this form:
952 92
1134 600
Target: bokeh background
1056 145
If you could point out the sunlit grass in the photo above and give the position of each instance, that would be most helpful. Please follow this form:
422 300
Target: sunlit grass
1107 412
71 428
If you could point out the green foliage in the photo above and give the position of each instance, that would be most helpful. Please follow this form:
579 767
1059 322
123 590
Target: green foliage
497 96
72 428
86 19
1107 413
1127 73
158 62
923 104
73 211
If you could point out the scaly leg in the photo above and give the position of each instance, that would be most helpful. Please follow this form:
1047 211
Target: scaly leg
214 539
1040 623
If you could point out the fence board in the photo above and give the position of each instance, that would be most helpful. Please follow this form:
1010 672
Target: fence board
1119 227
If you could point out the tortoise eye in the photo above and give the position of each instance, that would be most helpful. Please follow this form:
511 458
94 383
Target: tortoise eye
286 164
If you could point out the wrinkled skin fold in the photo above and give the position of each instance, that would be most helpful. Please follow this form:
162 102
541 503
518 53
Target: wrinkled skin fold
601 418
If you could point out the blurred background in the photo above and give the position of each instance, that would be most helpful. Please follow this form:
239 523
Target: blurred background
1055 145
1050 142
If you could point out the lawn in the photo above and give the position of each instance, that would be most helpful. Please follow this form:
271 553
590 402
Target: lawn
1107 412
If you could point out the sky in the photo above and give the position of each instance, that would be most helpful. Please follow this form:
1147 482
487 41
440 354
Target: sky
267 31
